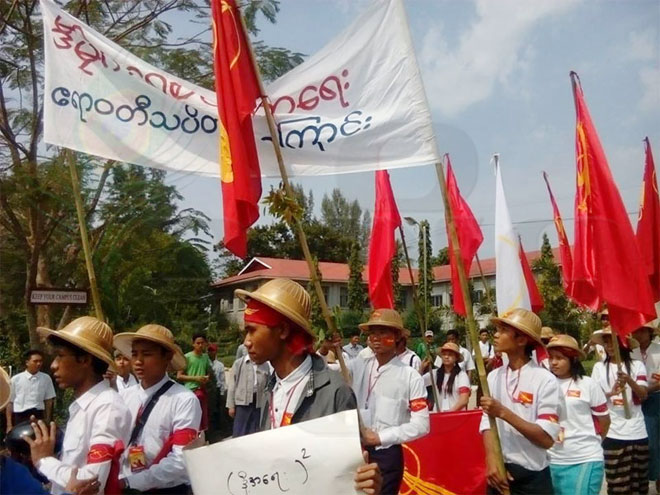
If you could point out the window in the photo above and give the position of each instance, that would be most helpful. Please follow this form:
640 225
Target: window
478 296
343 297
436 301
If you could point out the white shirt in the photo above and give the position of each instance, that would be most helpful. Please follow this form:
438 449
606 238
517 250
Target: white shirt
409 358
578 442
448 399
29 391
129 382
97 418
620 427
651 360
532 393
176 410
392 400
287 393
352 350
219 371
466 365
487 349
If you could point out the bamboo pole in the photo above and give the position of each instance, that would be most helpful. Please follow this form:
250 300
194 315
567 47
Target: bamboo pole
75 185
302 238
471 324
418 309
617 360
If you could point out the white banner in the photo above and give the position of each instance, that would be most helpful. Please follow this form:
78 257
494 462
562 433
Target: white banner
318 457
357 105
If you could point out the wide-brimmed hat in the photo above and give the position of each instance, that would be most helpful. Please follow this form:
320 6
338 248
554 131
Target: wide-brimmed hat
285 296
523 320
384 318
547 333
89 334
598 337
565 342
153 333
5 388
450 346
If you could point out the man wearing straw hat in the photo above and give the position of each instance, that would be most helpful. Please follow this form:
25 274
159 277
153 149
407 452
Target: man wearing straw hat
525 402
391 397
98 422
278 330
165 415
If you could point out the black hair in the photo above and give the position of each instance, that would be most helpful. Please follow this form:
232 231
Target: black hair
98 366
355 333
450 381
577 370
198 335
483 330
625 357
529 349
163 350
453 332
31 352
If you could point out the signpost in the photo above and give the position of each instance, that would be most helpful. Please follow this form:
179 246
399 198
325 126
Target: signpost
58 296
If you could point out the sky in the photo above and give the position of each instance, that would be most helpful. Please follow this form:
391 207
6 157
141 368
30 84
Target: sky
496 74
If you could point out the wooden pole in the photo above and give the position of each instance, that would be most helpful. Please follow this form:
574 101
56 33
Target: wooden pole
302 238
75 185
418 309
617 360
489 296
471 324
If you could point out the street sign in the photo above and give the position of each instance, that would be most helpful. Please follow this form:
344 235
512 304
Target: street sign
58 296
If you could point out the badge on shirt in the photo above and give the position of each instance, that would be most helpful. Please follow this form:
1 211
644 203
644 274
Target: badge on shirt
286 419
573 393
526 398
136 458
562 435
617 402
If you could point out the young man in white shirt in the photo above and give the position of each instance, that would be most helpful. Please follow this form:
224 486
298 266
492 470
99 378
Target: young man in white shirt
165 415
525 402
407 356
353 347
486 347
123 378
391 397
99 421
32 392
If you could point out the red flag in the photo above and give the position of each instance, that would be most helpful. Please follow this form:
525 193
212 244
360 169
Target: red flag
461 468
648 223
469 237
382 246
535 298
607 265
237 90
564 246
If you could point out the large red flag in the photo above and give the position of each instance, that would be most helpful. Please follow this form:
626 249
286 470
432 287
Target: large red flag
564 246
237 90
648 224
469 237
535 298
382 246
607 265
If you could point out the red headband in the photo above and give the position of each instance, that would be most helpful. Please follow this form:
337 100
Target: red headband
257 312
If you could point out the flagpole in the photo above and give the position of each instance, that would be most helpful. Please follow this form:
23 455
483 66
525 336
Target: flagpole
489 297
418 309
617 360
302 238
471 324
75 185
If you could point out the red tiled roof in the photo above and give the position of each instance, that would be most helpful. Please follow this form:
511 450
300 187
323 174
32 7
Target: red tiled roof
266 268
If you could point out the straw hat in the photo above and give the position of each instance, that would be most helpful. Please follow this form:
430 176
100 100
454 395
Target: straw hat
384 318
566 342
450 346
523 320
153 333
547 333
88 333
597 337
5 388
285 296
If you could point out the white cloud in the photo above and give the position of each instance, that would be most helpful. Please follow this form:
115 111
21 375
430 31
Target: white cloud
650 79
491 51
643 45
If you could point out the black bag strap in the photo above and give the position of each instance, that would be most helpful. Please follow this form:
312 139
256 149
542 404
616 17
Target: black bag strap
142 420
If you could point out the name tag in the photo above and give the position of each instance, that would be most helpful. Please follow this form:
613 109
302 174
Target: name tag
573 393
136 458
617 402
526 398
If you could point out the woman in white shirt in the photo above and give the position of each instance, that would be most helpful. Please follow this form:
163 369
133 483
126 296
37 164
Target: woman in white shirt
576 459
454 392
626 445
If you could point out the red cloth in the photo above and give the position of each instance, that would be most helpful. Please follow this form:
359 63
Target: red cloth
237 90
257 312
200 393
564 246
469 237
535 298
382 246
607 264
102 453
450 459
648 223
180 438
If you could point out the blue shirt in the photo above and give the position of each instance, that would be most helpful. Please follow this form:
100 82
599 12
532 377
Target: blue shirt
15 479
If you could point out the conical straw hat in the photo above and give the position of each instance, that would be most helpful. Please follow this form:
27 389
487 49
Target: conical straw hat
153 333
565 342
524 320
88 333
450 346
597 337
285 296
384 318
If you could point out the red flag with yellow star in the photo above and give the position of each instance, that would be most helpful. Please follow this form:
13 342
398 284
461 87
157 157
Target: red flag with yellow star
607 264
648 223
564 246
237 90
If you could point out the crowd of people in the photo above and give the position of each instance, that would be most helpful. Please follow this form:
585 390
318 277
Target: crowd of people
139 400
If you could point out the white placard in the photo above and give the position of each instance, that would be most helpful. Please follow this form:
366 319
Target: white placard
316 457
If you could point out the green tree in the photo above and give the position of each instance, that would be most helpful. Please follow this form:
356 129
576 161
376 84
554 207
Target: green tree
318 322
345 216
398 263
357 296
425 285
442 258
